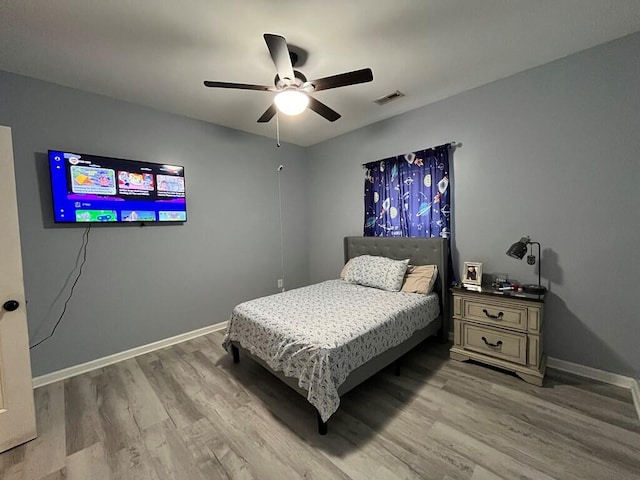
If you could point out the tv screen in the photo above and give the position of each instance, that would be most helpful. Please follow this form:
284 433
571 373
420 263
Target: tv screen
89 188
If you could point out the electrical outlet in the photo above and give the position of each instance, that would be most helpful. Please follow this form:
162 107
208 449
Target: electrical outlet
280 283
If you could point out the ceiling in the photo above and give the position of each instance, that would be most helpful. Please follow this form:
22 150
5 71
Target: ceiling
158 52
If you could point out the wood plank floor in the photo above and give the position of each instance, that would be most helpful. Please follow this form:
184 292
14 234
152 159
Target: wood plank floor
187 412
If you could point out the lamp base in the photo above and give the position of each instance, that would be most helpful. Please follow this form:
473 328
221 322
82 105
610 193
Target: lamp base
534 289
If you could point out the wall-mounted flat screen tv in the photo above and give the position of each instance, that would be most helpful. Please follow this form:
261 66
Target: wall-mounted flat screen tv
89 188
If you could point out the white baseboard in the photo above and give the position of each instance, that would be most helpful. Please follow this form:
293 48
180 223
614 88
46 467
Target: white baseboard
592 373
118 357
595 374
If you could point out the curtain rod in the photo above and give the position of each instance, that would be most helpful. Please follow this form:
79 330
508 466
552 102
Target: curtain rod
449 144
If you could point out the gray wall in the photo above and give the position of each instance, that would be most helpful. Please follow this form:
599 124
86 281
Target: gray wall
142 284
551 153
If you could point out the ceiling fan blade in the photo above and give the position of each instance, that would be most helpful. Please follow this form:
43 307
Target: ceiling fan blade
343 79
322 110
268 114
279 51
240 86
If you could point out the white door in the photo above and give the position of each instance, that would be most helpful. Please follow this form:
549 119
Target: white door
17 415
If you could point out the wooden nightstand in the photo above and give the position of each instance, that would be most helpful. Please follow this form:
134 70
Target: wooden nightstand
503 330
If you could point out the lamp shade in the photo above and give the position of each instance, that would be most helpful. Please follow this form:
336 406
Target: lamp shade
291 102
519 249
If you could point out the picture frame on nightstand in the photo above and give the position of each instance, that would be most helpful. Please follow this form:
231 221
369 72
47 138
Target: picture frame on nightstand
472 275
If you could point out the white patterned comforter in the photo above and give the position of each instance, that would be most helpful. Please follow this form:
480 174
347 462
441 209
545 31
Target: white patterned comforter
321 333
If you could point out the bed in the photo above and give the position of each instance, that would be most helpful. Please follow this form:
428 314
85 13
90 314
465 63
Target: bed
325 339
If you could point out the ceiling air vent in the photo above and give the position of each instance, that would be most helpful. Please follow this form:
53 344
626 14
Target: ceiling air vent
389 98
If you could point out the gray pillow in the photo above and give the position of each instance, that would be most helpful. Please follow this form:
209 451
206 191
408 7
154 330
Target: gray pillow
377 272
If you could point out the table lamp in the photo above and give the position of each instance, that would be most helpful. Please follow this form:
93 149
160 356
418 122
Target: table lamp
518 250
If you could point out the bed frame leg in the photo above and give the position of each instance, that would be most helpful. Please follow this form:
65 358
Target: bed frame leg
322 426
443 335
236 354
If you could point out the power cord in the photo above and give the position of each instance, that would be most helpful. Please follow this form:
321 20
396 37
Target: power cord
83 250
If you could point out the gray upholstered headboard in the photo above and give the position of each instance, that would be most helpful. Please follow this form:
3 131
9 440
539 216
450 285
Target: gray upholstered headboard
419 251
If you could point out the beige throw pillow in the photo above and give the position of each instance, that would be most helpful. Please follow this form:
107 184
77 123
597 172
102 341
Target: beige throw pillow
343 273
420 279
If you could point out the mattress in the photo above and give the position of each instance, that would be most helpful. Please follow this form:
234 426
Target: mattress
320 333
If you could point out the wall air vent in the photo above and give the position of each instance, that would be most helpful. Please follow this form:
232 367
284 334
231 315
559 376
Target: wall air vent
389 98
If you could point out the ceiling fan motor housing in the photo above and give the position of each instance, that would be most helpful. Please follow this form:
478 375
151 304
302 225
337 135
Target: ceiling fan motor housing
298 81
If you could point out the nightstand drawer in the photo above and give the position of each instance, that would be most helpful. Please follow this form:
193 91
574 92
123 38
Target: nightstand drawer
509 346
508 316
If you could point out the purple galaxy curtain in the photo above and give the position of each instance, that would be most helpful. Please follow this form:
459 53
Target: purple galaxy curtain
408 195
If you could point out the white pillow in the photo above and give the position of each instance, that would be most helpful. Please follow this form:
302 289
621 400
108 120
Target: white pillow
377 272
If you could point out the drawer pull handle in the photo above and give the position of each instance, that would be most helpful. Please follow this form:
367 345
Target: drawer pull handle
494 345
496 317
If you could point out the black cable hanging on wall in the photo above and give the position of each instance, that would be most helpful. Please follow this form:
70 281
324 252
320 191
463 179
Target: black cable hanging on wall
83 251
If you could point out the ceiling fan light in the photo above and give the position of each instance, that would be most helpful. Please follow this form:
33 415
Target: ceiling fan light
291 102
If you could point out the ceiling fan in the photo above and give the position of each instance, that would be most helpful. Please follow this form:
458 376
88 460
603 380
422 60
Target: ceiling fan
292 86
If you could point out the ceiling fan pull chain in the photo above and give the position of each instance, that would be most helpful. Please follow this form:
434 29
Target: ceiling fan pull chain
277 129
